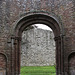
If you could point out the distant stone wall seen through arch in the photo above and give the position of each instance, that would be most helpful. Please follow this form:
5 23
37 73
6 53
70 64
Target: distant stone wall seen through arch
38 48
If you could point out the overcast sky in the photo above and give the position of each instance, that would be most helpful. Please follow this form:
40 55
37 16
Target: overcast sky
42 26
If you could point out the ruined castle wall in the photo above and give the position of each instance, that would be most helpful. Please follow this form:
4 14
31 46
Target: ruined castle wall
38 48
13 10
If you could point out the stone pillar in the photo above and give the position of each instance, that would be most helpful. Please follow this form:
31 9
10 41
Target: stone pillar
17 55
58 55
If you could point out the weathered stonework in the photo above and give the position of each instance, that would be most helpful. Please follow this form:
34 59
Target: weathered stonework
38 48
14 13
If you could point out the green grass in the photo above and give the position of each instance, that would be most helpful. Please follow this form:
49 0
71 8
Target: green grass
38 70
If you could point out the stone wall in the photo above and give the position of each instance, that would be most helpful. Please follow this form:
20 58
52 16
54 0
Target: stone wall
63 11
38 48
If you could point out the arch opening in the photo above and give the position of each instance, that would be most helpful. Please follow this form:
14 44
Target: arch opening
39 18
71 64
3 64
38 49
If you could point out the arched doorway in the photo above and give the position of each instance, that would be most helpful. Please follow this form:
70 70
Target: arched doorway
72 64
42 18
3 64
38 51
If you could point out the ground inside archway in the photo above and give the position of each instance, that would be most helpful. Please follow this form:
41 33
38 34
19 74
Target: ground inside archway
38 70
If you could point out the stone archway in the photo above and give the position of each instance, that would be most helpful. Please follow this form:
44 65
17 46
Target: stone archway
71 64
3 64
34 18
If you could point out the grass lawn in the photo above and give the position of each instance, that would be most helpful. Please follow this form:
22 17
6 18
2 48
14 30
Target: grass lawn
38 70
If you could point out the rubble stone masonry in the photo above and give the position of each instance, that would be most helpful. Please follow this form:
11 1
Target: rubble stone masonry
38 48
11 15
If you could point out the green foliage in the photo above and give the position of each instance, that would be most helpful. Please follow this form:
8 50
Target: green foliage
38 70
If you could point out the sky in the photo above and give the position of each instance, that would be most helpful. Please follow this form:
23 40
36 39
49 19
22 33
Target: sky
42 26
